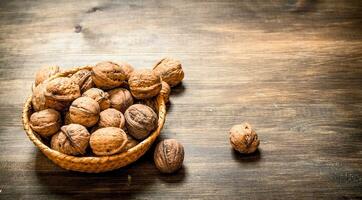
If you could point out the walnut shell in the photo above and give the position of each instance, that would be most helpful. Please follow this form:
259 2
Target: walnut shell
111 118
130 142
140 121
169 155
46 122
108 75
62 89
108 141
40 102
170 71
243 138
73 139
83 79
144 84
120 99
44 73
152 103
84 111
100 96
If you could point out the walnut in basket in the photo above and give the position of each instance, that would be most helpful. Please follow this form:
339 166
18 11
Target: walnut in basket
84 111
127 68
120 99
73 139
140 121
111 118
170 71
144 84
39 102
62 89
44 73
46 122
100 96
83 79
108 141
108 75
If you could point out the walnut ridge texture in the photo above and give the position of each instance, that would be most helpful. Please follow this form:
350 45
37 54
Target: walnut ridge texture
169 155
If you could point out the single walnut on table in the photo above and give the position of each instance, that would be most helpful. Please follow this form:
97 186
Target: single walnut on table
120 99
44 73
144 84
140 121
73 139
83 79
169 155
243 138
108 141
46 122
84 111
100 96
170 71
111 118
108 75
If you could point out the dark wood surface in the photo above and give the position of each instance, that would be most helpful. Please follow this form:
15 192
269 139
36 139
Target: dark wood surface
292 69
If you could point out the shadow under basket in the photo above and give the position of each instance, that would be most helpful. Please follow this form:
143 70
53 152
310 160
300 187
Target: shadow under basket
93 164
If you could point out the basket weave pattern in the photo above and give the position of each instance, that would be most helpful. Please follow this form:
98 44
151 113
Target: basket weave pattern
93 164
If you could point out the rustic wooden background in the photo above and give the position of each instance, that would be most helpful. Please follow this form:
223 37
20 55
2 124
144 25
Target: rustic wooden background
292 69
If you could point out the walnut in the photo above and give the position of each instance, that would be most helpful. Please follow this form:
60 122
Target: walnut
73 139
170 71
243 138
84 111
111 118
62 89
44 73
120 99
108 141
100 96
108 75
169 156
140 121
83 79
130 142
40 102
46 122
144 84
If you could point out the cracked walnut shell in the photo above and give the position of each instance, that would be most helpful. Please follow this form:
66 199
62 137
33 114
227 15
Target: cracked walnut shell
170 71
111 118
44 73
120 99
84 111
140 121
46 122
108 75
144 84
243 138
73 139
100 96
108 141
169 155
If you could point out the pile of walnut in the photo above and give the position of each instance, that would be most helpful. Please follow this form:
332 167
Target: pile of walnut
109 108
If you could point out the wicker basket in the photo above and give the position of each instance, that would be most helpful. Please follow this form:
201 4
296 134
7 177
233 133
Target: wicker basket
93 164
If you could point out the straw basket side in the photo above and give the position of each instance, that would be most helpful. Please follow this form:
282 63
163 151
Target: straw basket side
93 164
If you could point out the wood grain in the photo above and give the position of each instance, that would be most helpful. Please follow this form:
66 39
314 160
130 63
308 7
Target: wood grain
292 69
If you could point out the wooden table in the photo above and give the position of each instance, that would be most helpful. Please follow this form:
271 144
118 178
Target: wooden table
292 69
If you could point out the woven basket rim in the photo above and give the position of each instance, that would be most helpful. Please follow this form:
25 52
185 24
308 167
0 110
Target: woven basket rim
50 153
